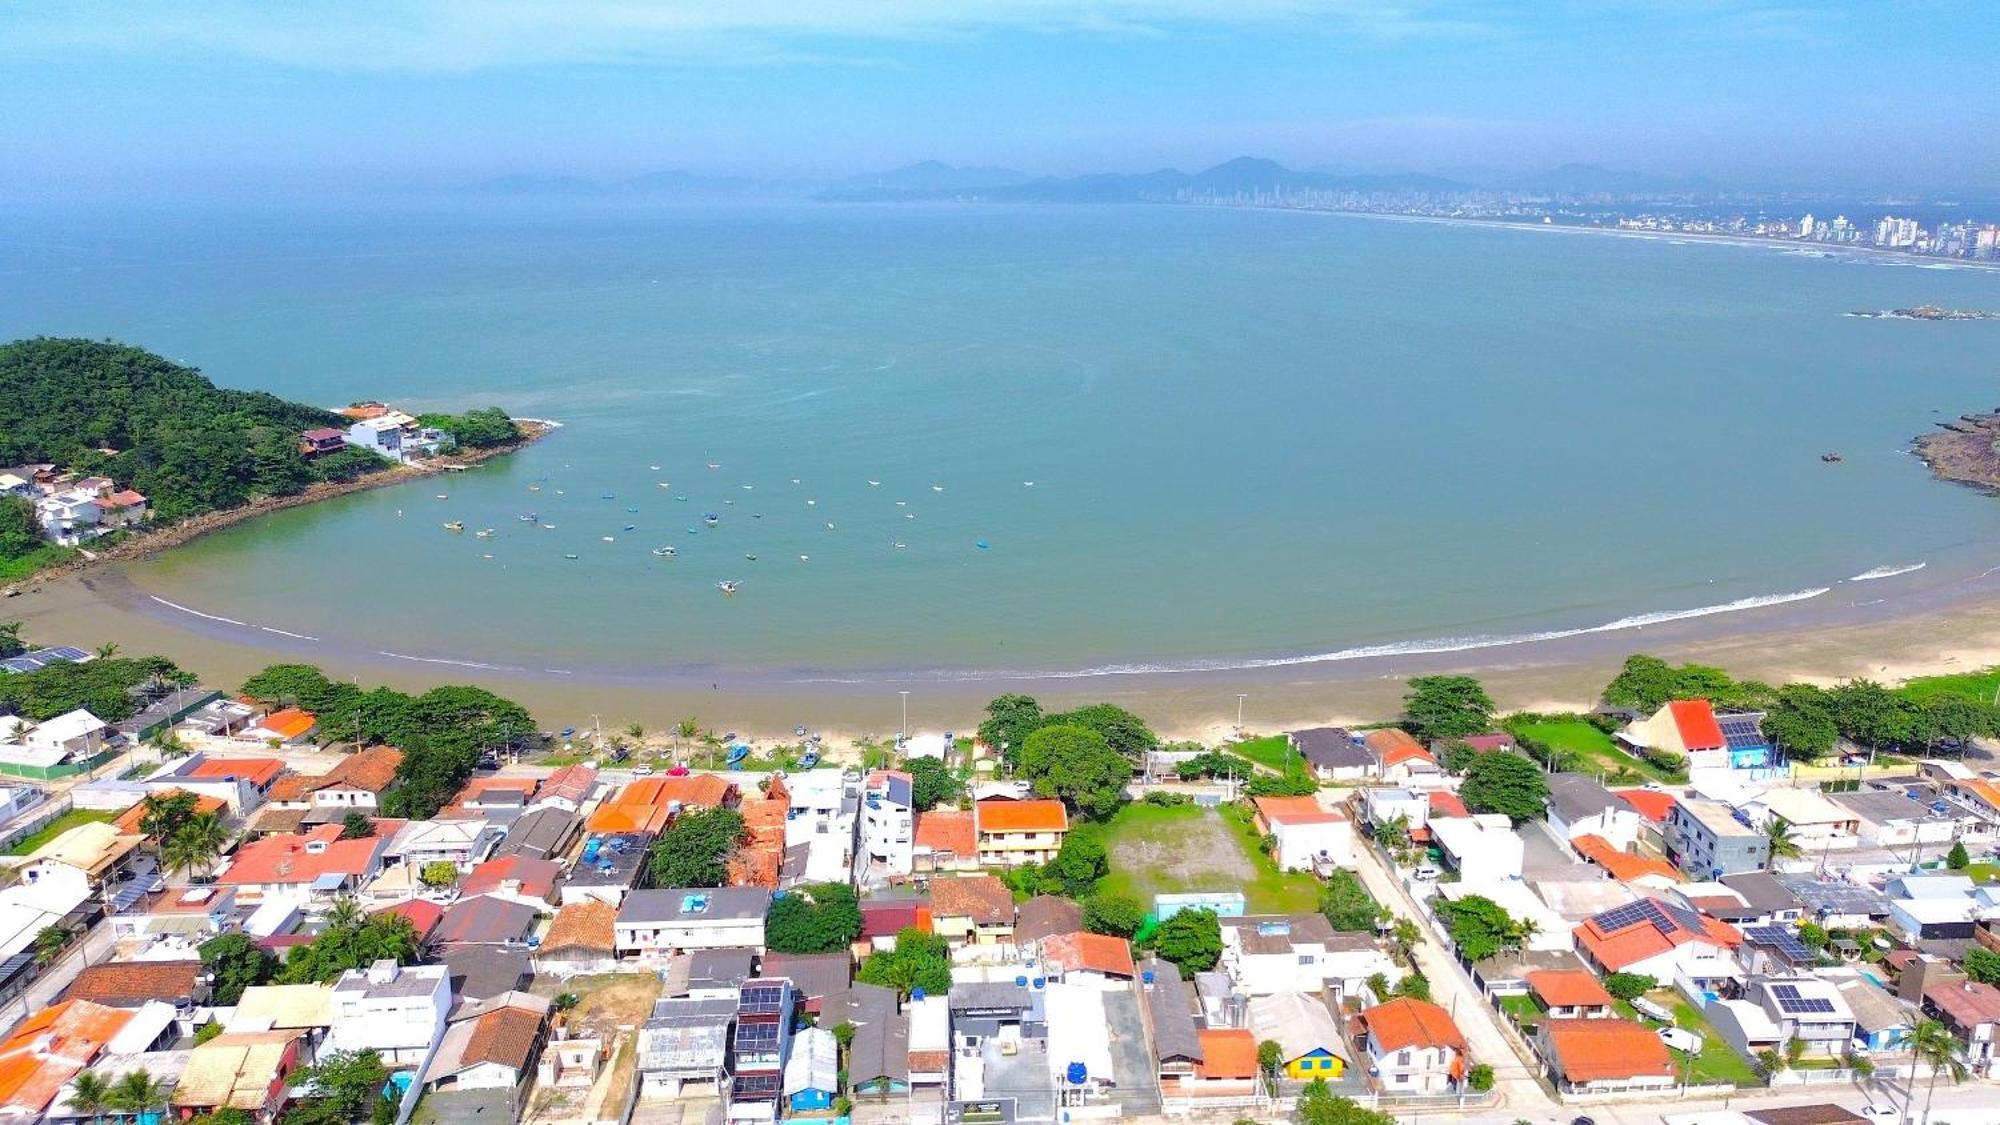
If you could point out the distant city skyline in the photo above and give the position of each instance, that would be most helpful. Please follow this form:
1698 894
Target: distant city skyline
150 99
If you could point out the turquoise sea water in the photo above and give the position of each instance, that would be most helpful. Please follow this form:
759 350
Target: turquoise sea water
1251 435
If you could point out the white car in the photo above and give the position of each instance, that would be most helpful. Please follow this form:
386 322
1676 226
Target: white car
1887 1115
1681 1039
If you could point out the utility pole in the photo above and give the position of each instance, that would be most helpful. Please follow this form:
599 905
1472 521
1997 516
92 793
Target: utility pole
903 731
1240 697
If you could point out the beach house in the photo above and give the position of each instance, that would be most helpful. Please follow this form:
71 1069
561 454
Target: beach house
1306 834
1011 832
1413 1047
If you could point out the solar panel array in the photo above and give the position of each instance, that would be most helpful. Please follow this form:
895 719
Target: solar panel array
757 1085
756 998
42 658
756 1036
1664 917
1741 732
1791 1003
1779 938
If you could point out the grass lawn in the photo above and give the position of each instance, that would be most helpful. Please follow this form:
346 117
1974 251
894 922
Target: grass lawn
1718 1061
1594 750
60 825
1273 753
1981 872
1172 850
1523 1008
1977 687
21 566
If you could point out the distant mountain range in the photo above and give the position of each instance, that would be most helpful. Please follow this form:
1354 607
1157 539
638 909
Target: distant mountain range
934 180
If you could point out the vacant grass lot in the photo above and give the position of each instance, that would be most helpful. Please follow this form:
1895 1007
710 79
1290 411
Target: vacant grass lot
1718 1061
1273 752
1174 850
1978 687
58 826
1594 750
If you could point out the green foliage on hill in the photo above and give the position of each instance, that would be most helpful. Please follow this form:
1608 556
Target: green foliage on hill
475 429
441 732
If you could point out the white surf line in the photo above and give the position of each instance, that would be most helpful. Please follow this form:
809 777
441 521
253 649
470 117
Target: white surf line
287 633
1890 571
442 660
198 613
559 671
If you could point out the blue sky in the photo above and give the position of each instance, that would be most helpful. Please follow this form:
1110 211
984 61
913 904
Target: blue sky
237 94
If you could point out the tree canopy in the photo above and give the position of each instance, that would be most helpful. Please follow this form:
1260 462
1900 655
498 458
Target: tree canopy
1479 927
235 962
932 783
1347 904
1500 782
1012 719
1119 915
475 429
112 688
1076 764
1447 707
342 1087
351 940
1647 682
1191 939
920 960
694 851
1318 1105
821 918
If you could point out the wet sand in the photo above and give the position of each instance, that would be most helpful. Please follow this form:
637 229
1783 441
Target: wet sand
1952 628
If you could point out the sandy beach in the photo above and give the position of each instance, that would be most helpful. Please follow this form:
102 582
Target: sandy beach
1953 628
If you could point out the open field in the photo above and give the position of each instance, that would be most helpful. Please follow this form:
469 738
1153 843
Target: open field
1978 687
1273 752
1157 850
1593 749
58 826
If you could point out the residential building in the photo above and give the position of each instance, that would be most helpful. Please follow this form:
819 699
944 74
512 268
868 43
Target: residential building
1900 818
1807 1008
58 747
491 1045
1307 834
945 840
607 870
1579 806
759 1048
812 1074
1595 1056
1177 1045
51 1046
684 1047
878 1057
486 921
354 784
1836 903
134 984
972 910
883 918
647 805
324 439
98 852
1010 832
888 824
1882 1023
1334 754
653 924
567 788
300 867
1271 954
1308 1037
1767 899
397 1011
242 1070
461 843
1551 931
1399 758
1571 994
814 976
540 833
1046 916
528 881
1690 731
1659 939
1626 867
1413 1047
1971 1010
1815 823
581 939
1483 850
1709 840
1088 958
380 436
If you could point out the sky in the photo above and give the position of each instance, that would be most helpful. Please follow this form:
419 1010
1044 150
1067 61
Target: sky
164 95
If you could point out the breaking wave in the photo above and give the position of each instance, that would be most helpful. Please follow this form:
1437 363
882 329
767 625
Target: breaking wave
1887 572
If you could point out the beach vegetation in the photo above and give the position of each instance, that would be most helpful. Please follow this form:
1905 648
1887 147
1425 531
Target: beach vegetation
234 962
694 851
822 918
22 548
1010 719
1500 782
1191 939
475 429
111 689
1802 723
1122 730
1646 683
1076 763
1446 707
1299 784
1273 752
919 960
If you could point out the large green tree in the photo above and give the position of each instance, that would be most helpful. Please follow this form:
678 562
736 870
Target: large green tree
822 918
1801 722
1122 730
1501 782
932 784
1119 915
1347 904
234 962
919 960
1010 719
1479 927
694 851
351 940
1078 765
1319 1105
1447 707
342 1087
1191 939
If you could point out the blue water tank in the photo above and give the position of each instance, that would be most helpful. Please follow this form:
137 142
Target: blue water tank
1041 982
1077 1074
917 993
1146 976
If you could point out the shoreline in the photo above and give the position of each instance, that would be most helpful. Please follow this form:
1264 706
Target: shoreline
149 543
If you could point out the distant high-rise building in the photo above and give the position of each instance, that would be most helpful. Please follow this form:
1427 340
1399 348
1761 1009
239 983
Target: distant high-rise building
1806 226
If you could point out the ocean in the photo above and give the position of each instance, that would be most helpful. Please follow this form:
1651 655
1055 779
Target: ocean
962 440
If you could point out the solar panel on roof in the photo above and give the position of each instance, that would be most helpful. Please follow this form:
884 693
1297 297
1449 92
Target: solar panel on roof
1779 938
761 998
1741 732
752 1085
13 966
756 1034
65 652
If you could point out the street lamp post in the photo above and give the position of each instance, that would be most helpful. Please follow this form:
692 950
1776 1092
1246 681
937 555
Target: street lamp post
1240 697
903 731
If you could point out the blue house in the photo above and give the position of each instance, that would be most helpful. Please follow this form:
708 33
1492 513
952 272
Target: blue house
812 1074
1881 1022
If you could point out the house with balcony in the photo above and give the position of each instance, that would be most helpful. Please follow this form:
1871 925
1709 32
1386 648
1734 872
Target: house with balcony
397 1011
1970 1010
1413 1047
759 1047
321 441
972 910
1010 833
888 824
299 867
652 925
1270 954
1710 840
1808 1008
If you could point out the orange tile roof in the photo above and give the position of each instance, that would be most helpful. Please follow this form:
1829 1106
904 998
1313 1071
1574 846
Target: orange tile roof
1409 1022
1097 953
536 876
257 771
423 914
283 858
982 898
1448 805
1983 789
1631 944
646 804
369 770
1623 866
48 1048
128 821
618 820
1600 1049
1229 1052
289 723
110 982
1695 720
294 787
946 830
583 925
1567 988
1295 810
361 411
1393 744
1651 803
571 782
1037 815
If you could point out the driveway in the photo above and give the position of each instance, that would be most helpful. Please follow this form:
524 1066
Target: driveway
1132 1062
1453 990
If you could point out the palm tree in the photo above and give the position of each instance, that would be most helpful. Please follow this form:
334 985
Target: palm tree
197 843
107 650
1782 844
345 914
50 943
685 730
90 1093
1934 1043
139 1093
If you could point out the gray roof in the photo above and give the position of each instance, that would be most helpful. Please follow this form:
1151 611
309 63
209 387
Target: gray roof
881 1046
410 980
482 971
1278 933
1879 807
815 975
484 920
992 994
1331 748
1171 1003
1516 964
1830 896
1874 1009
1762 891
683 903
612 867
539 834
687 1037
1045 916
1578 796
710 970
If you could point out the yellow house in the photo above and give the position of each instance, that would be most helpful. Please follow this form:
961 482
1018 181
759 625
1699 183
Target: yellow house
1010 833
96 849
1303 1027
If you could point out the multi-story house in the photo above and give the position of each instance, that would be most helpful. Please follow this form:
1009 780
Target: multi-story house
396 1011
888 817
759 1047
1708 839
1010 833
1413 1047
653 925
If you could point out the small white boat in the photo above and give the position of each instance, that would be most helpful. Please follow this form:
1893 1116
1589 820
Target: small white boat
655 468
728 587
937 488
527 517
454 525
534 488
750 558
1027 484
899 544
812 503
571 557
665 552
444 496
663 484
749 487
609 539
715 464
484 533
874 484
548 527
805 558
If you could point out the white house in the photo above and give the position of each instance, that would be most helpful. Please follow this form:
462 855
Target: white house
378 435
1816 823
1483 849
887 827
654 924
397 1011
1267 955
462 843
491 1044
1307 833
71 516
1413 1047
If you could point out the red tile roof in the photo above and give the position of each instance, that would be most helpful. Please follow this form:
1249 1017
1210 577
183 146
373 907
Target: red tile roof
889 917
1227 1053
573 783
288 724
1295 810
1695 720
1622 866
1087 952
1651 803
1448 805
982 898
647 805
257 771
1003 815
1409 1022
1567 988
537 877
424 915
286 859
1968 1003
946 830
123 984
1615 949
1590 1050
587 925
128 821
1393 744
